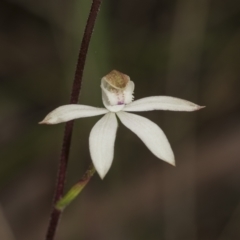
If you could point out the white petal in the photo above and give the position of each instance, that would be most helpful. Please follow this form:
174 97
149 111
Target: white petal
161 103
149 132
71 111
101 142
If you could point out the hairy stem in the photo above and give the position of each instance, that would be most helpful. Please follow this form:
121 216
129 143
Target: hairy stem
76 88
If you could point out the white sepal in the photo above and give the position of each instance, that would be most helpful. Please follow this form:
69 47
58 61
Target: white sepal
71 111
151 135
161 103
101 143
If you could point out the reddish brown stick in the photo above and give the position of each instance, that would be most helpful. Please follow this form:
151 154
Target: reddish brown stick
76 88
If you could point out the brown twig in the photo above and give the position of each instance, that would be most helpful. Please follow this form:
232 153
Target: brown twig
76 88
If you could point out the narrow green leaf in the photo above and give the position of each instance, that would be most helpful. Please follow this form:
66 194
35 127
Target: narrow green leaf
75 190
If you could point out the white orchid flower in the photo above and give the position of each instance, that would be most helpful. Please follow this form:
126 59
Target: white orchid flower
117 96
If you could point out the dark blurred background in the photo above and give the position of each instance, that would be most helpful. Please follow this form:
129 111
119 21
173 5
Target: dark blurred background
183 48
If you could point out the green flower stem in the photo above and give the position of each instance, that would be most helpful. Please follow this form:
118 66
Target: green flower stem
75 190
